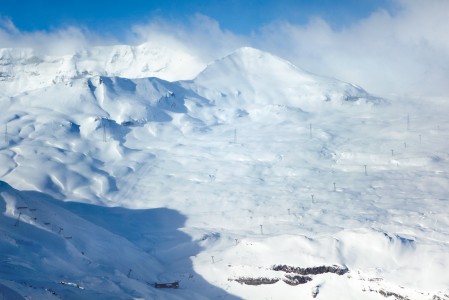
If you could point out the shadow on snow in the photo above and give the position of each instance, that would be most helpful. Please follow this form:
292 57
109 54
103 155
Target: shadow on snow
85 251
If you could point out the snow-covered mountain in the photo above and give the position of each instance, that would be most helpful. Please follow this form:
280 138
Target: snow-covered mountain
251 76
246 178
24 70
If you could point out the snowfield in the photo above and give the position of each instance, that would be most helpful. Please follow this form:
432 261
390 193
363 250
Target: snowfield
250 179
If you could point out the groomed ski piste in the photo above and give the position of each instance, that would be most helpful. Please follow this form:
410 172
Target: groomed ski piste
249 178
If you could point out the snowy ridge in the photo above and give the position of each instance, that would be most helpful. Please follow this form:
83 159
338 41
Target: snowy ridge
230 184
24 70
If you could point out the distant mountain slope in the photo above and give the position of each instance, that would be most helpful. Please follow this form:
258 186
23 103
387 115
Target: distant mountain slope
23 69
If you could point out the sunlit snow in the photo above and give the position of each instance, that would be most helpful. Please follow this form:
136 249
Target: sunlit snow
113 179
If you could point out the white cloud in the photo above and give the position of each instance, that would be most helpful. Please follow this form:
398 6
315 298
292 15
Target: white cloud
55 42
201 35
7 25
403 53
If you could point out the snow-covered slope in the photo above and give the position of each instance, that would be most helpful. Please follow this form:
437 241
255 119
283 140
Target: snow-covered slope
253 180
79 129
56 250
23 69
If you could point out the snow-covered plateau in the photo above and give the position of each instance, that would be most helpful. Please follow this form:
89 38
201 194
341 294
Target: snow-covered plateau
137 172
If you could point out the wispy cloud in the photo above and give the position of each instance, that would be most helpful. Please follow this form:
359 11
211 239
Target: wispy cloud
201 35
404 52
53 42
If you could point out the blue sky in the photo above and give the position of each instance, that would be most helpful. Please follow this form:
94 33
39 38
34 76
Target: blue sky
239 16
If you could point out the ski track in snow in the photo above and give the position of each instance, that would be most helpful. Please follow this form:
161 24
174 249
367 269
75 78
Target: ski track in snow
210 181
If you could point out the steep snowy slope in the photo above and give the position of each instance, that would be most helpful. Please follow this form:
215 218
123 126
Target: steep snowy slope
255 180
23 69
55 250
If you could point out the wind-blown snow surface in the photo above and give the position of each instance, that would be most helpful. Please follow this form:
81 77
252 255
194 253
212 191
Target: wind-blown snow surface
109 184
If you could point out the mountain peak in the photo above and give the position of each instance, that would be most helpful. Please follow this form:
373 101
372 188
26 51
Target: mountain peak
249 51
250 59
252 76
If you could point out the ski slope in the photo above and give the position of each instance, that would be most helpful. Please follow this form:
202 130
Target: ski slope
253 180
